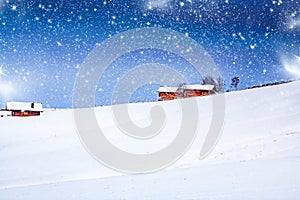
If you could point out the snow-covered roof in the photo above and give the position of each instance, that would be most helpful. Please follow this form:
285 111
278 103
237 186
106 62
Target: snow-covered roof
199 87
24 106
167 89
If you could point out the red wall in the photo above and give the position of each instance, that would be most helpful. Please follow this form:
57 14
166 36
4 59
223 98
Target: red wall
196 93
167 96
25 114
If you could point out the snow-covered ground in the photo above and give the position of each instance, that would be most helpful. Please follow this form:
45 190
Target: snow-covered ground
257 157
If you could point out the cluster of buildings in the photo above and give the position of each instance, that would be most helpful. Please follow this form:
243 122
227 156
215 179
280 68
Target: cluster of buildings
21 109
27 109
185 91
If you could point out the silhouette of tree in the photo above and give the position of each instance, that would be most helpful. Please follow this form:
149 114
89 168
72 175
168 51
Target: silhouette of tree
235 82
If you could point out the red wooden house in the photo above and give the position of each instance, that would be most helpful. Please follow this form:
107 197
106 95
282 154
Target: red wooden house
167 93
184 91
24 109
197 90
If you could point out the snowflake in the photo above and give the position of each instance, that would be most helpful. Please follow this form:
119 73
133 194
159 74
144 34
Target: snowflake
14 7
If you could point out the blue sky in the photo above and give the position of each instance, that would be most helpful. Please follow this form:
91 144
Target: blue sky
43 43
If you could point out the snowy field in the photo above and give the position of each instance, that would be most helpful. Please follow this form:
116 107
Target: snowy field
257 157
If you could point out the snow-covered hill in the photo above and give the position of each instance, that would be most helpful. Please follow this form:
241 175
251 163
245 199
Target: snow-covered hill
257 157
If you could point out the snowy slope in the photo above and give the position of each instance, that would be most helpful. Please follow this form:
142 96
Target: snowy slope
257 157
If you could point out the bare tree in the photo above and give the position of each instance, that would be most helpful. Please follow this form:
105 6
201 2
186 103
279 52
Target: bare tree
218 83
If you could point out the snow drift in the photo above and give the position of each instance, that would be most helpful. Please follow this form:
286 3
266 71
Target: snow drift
257 157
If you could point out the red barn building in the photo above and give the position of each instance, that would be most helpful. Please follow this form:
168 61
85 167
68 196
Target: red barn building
184 91
24 109
167 93
197 90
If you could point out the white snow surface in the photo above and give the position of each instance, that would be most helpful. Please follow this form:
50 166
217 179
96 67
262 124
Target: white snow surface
257 156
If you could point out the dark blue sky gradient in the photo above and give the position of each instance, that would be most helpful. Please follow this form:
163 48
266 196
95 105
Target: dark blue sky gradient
43 43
